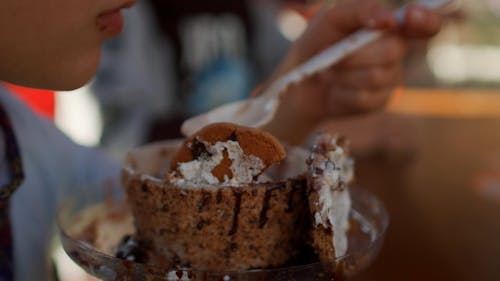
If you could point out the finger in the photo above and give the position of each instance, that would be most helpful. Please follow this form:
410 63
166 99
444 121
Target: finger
349 16
335 23
388 49
372 78
420 22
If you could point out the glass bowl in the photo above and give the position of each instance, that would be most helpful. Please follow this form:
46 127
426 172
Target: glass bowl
369 221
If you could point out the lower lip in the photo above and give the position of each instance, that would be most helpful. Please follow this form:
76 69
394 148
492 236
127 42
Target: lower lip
110 23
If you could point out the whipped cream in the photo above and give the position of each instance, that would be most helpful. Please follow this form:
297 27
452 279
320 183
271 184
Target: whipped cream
332 169
199 171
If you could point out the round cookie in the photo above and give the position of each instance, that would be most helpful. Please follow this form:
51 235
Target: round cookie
252 141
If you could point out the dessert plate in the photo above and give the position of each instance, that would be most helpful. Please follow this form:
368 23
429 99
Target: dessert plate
369 221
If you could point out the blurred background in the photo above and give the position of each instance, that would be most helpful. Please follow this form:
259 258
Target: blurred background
433 157
173 67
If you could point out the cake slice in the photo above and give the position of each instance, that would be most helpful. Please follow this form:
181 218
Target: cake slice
330 171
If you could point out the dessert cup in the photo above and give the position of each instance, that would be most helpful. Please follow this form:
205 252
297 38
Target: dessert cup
368 216
215 228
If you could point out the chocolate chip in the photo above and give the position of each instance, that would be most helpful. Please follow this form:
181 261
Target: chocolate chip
200 224
233 136
199 150
318 171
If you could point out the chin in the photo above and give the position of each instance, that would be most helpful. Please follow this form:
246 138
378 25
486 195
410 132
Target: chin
63 82
70 83
77 74
66 76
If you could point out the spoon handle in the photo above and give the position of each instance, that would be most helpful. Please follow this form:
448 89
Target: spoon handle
341 49
258 111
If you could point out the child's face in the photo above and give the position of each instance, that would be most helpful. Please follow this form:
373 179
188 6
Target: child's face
55 43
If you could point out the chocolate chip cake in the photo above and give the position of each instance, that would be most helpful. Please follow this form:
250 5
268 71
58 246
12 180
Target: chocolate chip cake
230 200
233 198
330 171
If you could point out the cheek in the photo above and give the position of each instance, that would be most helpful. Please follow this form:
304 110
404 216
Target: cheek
75 46
56 48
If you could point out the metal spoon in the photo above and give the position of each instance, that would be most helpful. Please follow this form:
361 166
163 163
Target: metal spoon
260 110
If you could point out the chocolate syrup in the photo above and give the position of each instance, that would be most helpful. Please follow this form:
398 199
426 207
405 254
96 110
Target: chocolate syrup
236 212
218 196
265 203
291 204
205 199
297 185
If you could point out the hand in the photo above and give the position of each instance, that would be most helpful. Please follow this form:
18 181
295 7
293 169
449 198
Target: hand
363 81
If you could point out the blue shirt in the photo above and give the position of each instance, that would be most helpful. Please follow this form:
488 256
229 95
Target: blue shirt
54 168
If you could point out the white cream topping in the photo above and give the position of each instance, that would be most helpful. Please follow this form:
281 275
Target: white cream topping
199 171
332 171
174 275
